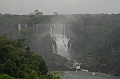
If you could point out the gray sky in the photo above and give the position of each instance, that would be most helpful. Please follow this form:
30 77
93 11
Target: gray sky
60 6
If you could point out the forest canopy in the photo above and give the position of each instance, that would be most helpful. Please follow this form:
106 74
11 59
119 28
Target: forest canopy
15 63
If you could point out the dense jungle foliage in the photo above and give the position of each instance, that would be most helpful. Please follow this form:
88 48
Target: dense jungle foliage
95 38
96 42
15 63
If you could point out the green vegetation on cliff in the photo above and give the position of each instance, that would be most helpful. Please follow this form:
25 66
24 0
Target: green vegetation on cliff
15 63
96 42
96 38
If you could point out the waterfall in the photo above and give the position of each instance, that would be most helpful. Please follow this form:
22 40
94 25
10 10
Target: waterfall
61 35
19 27
70 48
53 48
57 31
26 26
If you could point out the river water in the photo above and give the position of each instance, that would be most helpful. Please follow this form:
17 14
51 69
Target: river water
87 75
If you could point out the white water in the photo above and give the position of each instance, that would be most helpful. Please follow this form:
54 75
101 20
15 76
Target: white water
19 27
87 75
57 31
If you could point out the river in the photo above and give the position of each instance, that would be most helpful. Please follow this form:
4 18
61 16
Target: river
87 75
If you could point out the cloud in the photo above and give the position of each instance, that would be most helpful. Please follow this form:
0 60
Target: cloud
61 6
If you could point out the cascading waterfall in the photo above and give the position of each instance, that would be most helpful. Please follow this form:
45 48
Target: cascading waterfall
53 48
57 31
19 27
61 36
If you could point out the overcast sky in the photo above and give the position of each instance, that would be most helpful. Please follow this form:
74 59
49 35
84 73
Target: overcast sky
60 6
